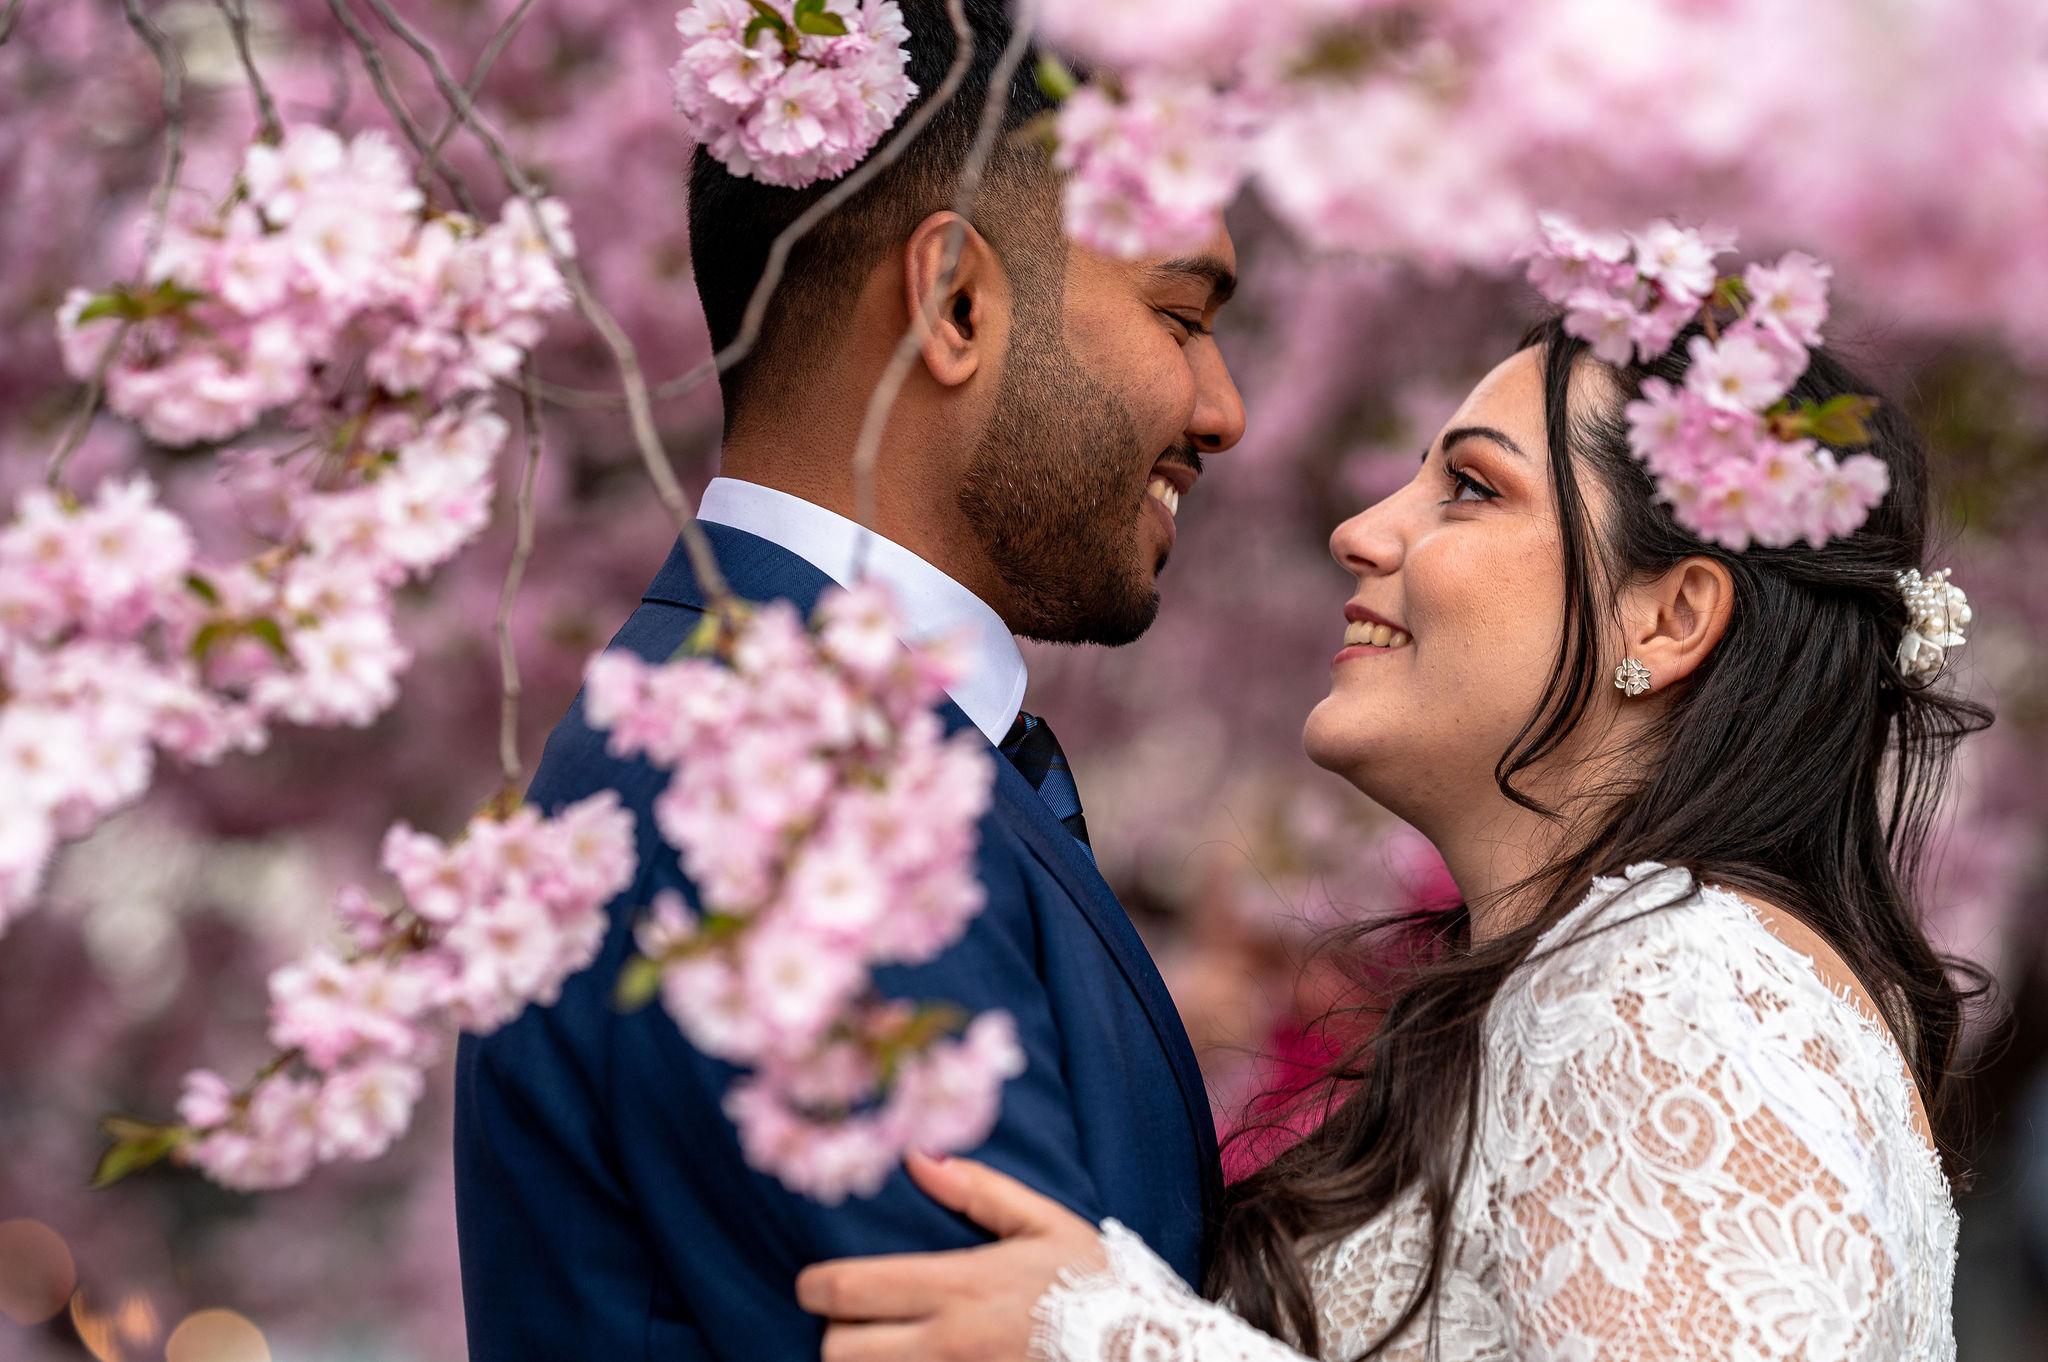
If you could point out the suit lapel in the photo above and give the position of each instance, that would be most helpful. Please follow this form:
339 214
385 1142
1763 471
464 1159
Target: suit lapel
1027 814
760 571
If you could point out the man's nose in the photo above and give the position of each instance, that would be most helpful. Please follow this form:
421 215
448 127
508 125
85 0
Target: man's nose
1218 421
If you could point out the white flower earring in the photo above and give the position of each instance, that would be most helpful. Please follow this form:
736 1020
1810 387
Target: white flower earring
1631 678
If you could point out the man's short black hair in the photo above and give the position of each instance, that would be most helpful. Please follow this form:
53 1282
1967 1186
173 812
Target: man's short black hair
734 220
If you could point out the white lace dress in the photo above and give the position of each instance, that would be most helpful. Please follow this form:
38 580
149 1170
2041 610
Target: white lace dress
1692 1147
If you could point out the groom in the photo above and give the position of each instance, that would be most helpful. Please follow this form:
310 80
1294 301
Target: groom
1061 404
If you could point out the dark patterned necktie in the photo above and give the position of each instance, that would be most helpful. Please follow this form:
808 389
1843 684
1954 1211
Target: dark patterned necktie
1034 751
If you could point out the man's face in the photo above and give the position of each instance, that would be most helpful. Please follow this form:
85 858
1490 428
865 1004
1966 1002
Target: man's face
1110 397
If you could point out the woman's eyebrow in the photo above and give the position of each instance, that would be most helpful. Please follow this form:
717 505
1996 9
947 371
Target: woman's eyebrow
1501 438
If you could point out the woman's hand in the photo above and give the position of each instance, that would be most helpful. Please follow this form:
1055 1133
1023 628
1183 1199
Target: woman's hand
966 1305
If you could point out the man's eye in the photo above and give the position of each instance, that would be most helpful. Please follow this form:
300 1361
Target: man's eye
1192 325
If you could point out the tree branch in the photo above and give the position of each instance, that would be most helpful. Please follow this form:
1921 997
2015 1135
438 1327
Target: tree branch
387 94
509 763
236 12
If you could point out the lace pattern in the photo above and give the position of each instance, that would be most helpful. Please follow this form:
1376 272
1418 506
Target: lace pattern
1692 1146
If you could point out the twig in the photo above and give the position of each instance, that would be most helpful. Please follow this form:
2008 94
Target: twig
387 94
7 18
508 595
487 59
236 12
891 151
172 67
624 354
867 448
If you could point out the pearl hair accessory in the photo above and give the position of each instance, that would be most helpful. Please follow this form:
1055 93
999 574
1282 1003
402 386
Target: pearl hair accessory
1631 678
1936 615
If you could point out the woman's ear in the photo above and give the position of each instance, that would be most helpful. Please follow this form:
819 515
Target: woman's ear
963 313
1676 619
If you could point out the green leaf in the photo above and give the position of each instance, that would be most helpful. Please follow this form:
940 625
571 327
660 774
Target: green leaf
266 629
1842 421
104 305
210 633
1055 77
1730 291
768 17
804 7
822 24
703 639
201 588
638 982
136 1146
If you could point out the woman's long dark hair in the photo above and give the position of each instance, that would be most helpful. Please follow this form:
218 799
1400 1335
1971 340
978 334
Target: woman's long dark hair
1795 764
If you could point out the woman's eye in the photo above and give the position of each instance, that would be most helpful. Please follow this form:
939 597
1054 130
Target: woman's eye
1464 487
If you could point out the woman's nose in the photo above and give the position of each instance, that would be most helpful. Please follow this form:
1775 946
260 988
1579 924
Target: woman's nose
1368 544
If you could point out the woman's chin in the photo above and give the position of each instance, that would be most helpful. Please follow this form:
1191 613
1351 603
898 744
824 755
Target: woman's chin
1333 741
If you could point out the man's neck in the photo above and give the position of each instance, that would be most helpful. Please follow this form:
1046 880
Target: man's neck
918 523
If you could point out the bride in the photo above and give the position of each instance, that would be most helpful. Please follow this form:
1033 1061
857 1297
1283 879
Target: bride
1674 1085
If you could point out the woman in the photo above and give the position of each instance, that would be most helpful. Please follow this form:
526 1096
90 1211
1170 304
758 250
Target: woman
1672 1088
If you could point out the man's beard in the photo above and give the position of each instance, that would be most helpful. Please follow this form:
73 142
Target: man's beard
1051 498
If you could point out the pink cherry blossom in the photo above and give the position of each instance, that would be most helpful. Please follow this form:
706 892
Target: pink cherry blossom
1737 372
790 114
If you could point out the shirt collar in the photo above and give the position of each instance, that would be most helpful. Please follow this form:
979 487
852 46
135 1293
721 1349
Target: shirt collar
933 604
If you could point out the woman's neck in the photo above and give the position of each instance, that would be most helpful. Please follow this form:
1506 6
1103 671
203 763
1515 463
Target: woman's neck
1491 853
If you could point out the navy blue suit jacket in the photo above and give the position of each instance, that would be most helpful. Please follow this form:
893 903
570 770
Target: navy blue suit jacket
603 1206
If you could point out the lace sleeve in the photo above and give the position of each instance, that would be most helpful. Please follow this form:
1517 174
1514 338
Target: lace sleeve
1135 1309
1695 1157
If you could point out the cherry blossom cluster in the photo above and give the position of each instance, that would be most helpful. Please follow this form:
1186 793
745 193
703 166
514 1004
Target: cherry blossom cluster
321 262
1737 461
486 926
790 92
828 824
1149 163
323 295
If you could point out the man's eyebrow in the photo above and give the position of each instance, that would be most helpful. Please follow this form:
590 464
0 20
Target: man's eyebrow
1457 433
1220 278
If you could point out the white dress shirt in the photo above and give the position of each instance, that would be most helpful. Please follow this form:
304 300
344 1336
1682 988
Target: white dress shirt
933 604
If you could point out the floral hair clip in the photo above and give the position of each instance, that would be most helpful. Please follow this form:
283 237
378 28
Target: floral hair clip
1733 456
790 92
1937 612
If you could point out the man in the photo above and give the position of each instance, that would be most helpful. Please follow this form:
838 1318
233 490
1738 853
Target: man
1061 404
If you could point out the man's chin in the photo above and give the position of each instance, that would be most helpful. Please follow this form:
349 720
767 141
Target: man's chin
1106 624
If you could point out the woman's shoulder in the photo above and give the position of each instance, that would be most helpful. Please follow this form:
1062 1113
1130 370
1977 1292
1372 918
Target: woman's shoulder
1687 972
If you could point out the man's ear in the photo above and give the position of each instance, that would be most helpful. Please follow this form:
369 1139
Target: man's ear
964 312
1673 621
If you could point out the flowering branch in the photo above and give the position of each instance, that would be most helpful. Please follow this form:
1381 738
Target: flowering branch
172 67
624 353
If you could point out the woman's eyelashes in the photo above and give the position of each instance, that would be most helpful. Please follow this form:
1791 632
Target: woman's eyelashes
1465 487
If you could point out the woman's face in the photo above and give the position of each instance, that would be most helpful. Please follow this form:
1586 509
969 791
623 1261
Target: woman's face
1450 633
